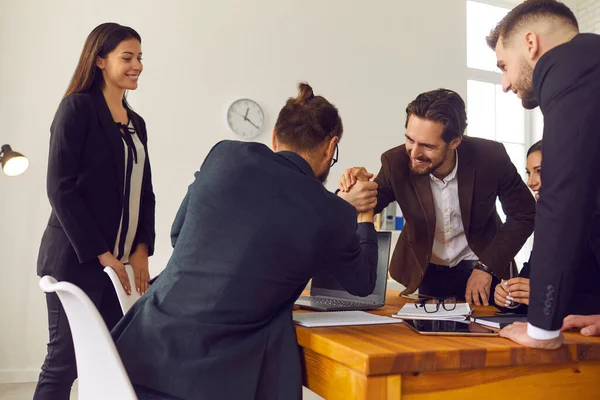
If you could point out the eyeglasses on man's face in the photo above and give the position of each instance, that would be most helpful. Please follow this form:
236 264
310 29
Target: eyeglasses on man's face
335 156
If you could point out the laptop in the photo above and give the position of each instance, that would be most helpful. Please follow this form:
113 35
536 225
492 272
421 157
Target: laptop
326 294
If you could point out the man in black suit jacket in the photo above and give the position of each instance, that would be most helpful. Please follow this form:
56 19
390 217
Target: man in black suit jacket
545 60
254 227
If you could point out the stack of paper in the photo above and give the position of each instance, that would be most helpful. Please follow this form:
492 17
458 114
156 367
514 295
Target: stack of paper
409 311
340 318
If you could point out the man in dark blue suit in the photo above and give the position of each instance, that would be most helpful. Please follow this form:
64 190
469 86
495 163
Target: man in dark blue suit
253 229
547 62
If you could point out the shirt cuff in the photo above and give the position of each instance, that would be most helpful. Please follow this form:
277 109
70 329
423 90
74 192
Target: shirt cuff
541 334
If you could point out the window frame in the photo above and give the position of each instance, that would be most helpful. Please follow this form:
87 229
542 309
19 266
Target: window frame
496 78
530 124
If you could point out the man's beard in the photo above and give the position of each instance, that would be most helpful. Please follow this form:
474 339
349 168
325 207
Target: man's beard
525 87
426 169
323 177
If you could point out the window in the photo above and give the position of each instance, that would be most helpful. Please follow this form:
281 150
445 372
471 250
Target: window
481 18
493 114
498 116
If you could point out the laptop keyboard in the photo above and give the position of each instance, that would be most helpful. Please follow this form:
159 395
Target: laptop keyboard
332 302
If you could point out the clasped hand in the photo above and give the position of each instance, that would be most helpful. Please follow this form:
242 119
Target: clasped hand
357 189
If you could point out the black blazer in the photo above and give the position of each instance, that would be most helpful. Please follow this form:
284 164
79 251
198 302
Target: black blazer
567 226
254 227
586 296
86 171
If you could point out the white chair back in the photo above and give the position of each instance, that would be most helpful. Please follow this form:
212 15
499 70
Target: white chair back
125 300
100 372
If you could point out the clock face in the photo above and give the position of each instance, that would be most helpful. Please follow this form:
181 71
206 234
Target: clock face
245 118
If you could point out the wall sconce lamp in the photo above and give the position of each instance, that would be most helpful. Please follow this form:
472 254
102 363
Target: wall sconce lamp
13 163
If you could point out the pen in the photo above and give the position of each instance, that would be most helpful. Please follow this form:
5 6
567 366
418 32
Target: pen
510 275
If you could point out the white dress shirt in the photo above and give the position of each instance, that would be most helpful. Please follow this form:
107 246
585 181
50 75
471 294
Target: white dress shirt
450 244
541 334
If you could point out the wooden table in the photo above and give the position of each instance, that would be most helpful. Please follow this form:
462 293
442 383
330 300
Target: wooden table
393 362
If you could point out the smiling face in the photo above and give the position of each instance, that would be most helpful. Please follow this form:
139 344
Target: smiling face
426 148
122 67
534 171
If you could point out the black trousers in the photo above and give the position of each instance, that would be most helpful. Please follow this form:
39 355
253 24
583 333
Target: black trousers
60 370
443 281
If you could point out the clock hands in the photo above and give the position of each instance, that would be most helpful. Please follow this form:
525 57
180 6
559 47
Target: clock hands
252 123
239 114
246 117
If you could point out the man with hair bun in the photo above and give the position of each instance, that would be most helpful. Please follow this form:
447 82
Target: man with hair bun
254 227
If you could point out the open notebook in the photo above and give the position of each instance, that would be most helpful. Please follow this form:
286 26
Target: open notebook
340 318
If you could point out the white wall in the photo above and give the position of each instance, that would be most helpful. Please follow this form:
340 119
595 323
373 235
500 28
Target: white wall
588 14
369 58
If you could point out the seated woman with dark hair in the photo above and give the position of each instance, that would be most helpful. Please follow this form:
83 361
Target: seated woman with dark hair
513 295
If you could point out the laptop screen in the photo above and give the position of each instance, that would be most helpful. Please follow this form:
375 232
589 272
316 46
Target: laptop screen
324 284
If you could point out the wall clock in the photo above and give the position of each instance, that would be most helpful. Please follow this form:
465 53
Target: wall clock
245 118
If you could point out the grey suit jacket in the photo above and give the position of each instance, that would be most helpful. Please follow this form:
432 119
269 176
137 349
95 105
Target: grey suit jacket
254 227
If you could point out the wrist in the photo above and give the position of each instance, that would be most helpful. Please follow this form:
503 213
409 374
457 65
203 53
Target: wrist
141 248
482 267
365 216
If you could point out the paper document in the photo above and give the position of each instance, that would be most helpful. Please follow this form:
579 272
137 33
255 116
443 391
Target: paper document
340 318
409 311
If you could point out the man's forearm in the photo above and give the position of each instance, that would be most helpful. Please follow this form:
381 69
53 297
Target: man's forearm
509 239
359 275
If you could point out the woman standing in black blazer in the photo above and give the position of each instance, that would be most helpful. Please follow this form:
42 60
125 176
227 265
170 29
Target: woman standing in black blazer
100 190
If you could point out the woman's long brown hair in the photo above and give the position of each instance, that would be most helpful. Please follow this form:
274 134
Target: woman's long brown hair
99 43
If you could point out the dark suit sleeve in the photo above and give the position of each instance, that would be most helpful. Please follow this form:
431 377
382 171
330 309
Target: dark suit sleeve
385 194
356 268
182 212
179 219
146 227
519 206
67 141
526 270
570 166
